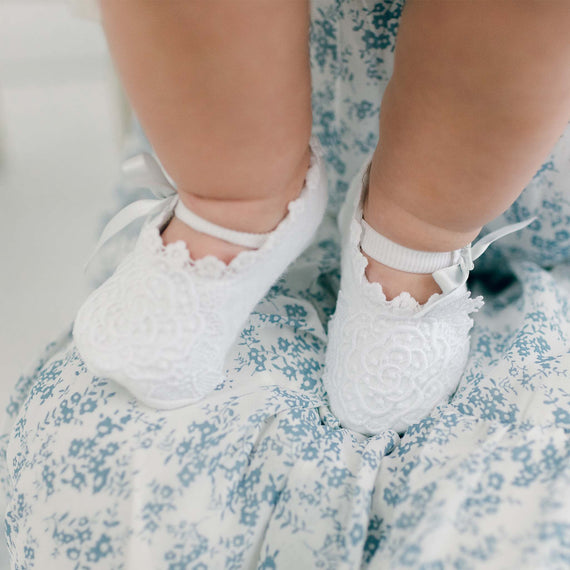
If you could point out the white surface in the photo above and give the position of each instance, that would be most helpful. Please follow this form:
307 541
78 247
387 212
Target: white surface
59 149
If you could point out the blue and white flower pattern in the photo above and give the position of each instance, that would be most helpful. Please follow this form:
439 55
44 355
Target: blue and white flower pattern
260 474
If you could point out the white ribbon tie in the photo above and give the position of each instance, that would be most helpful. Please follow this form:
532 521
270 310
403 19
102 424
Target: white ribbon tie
144 171
450 278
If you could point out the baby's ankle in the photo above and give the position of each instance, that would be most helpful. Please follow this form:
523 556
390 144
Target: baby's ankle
258 211
257 216
399 225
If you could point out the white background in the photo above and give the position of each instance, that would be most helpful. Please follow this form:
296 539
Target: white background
60 140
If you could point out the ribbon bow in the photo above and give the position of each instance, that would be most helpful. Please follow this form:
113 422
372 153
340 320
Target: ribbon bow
450 278
140 171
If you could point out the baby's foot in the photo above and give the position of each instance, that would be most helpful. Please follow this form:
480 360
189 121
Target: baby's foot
163 324
396 349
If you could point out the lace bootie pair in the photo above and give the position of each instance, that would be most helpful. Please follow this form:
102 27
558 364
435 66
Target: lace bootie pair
163 324
390 363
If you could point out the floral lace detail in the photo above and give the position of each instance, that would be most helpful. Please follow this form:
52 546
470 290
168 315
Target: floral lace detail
163 324
388 373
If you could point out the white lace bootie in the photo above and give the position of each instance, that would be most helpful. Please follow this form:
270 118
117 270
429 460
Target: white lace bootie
163 324
389 363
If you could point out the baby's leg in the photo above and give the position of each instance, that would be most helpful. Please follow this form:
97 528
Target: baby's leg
479 96
223 92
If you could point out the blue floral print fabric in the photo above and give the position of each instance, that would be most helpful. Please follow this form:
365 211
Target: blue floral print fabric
260 475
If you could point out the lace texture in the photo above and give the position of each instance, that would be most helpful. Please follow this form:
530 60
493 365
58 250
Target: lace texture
163 324
389 363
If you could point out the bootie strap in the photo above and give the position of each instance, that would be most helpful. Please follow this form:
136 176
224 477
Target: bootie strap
450 269
245 239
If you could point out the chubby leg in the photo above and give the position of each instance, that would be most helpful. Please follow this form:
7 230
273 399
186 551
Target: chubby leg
479 95
222 89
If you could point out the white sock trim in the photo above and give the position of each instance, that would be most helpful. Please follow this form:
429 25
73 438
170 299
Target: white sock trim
245 239
402 258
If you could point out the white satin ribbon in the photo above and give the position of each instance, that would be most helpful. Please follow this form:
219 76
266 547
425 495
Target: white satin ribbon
144 171
140 171
452 277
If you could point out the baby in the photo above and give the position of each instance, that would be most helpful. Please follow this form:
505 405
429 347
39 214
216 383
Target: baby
223 91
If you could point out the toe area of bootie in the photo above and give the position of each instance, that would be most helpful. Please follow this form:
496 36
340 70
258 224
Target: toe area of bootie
153 328
387 368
